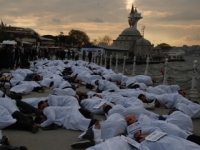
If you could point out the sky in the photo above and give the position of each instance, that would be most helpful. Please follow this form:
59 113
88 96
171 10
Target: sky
175 22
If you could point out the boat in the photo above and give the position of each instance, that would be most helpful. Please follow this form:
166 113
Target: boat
175 55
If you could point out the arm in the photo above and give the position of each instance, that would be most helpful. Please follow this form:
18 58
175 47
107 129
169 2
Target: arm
50 114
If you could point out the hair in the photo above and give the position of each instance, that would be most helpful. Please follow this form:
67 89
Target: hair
140 96
36 77
51 84
89 86
107 108
135 86
82 95
38 119
40 103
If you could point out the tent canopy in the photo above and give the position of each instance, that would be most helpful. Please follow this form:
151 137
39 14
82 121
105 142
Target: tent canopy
9 42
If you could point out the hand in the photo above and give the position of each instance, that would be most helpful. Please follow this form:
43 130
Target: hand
137 134
142 138
97 125
38 125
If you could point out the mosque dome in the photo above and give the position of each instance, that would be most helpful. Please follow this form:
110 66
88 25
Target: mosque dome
131 32
142 41
129 38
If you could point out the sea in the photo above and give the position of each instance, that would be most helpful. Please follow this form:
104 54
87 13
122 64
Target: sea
180 73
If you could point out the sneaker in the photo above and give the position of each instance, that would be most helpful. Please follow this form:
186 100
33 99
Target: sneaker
4 140
83 144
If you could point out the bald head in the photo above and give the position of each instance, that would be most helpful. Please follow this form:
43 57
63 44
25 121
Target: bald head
130 119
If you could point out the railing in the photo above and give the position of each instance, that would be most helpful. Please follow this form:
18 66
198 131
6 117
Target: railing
165 74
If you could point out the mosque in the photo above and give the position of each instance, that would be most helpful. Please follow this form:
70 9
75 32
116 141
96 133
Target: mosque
132 43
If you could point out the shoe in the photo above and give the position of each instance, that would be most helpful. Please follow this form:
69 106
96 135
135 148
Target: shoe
4 140
35 129
83 144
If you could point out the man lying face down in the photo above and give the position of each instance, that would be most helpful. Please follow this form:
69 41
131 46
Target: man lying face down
66 117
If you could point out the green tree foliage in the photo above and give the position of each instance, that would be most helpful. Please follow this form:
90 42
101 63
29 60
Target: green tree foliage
79 38
165 46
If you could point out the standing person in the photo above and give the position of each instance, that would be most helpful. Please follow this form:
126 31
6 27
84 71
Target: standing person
90 57
17 55
84 54
26 54
76 56
68 55
73 54
4 57
10 54
1 58
57 54
62 54
46 53
34 53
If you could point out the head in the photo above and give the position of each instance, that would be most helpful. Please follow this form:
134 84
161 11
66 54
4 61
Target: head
51 84
83 96
42 105
97 82
181 92
157 103
89 86
97 95
172 110
130 119
142 97
38 78
135 86
119 82
106 108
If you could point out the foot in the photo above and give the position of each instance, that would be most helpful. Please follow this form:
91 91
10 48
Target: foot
35 129
4 140
83 144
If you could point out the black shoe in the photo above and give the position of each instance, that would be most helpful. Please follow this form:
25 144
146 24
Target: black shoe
35 129
83 144
4 140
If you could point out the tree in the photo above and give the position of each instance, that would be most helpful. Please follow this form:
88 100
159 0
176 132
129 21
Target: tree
165 46
79 38
107 40
95 42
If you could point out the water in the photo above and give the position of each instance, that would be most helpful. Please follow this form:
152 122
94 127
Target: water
180 73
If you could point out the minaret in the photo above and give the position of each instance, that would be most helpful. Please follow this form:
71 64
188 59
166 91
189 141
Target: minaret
134 17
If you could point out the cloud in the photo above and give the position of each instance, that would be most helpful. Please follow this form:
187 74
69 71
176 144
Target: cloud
96 20
190 38
168 18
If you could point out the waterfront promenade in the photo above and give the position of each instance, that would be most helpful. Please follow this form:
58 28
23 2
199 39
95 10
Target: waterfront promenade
59 139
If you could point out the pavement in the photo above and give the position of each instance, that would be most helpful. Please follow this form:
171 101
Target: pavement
59 139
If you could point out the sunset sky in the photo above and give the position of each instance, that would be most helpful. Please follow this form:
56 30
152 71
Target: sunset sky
176 22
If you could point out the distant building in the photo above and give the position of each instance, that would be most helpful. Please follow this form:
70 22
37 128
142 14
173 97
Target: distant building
131 39
19 34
